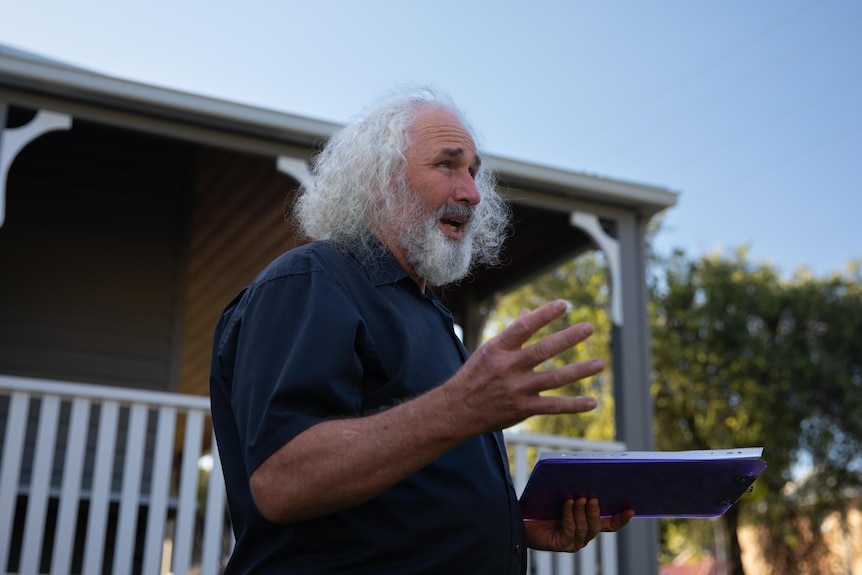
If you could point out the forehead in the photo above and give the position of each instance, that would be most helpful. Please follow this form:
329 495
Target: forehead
436 129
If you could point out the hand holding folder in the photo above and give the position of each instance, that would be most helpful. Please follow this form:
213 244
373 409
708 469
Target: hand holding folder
580 523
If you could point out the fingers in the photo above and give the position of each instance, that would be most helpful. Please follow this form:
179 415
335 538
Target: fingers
568 526
580 522
557 343
555 405
618 521
586 521
500 380
593 519
542 381
517 334
582 526
526 359
560 376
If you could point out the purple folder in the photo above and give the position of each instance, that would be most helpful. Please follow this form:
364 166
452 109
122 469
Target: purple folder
653 487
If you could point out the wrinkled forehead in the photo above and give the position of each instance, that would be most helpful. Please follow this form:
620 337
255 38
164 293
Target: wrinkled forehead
436 127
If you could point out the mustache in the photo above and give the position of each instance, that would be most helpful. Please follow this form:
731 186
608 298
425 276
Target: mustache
457 211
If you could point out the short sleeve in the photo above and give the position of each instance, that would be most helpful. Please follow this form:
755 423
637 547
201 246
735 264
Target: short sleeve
290 348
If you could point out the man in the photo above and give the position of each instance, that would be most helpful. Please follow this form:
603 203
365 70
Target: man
355 433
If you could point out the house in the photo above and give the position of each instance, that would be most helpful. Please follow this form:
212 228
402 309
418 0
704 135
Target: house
130 215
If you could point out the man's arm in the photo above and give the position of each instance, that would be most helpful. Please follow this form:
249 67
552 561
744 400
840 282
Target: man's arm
340 463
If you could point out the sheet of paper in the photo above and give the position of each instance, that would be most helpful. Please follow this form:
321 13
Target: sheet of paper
691 455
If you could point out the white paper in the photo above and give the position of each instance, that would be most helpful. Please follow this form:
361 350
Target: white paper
692 455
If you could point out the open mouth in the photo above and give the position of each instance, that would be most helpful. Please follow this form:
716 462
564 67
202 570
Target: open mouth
452 225
453 220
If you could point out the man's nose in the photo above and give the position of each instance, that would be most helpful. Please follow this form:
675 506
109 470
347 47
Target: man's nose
466 192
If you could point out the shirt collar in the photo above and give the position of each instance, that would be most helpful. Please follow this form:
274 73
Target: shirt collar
383 269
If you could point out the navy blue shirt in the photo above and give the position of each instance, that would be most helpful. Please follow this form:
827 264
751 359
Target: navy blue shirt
322 334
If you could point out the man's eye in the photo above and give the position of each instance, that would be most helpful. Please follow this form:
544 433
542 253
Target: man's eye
445 164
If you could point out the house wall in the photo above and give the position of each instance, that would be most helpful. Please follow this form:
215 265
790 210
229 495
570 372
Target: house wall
120 250
238 227
92 255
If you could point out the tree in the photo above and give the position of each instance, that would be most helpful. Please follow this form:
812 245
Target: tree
742 358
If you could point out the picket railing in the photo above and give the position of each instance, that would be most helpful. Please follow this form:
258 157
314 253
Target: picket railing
97 479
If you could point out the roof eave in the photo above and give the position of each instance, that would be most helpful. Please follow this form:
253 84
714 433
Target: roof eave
57 80
51 79
645 199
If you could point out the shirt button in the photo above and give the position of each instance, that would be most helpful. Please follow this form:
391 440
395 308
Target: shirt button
517 548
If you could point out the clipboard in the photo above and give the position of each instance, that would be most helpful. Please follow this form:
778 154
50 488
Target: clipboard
702 483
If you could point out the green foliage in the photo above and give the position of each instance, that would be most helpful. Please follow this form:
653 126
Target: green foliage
743 358
583 283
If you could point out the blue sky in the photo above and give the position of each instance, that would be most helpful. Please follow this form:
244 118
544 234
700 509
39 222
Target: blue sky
750 109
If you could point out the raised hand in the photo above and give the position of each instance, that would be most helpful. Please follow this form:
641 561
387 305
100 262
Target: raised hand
499 386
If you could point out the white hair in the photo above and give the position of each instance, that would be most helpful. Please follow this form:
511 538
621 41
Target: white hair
361 170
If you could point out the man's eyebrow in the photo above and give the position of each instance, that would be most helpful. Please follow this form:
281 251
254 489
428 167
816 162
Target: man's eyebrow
455 152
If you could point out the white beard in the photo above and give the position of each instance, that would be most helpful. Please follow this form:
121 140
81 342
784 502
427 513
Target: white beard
437 258
431 254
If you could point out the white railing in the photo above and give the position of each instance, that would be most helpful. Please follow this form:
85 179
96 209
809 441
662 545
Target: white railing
88 484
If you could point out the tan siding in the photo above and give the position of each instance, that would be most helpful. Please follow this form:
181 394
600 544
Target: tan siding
238 227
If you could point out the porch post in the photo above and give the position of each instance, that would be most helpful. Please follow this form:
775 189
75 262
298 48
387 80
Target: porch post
630 349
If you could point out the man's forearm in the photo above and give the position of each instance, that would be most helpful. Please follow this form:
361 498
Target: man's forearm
340 463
